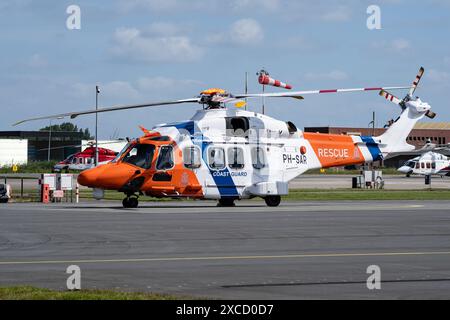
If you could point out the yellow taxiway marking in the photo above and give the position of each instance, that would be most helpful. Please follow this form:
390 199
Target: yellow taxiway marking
268 257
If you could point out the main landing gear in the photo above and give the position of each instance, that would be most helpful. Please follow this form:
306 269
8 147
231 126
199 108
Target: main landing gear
131 201
272 201
226 202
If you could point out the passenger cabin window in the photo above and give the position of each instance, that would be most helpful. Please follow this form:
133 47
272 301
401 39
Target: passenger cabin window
140 155
428 165
422 165
237 126
192 157
236 158
216 158
258 158
433 165
165 159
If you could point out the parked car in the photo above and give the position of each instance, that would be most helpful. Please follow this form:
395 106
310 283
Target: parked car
5 193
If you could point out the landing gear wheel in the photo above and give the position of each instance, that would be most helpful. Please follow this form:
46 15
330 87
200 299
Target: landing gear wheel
130 202
272 201
225 202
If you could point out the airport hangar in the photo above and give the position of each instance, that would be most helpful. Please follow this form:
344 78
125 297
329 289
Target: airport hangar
21 147
436 132
33 145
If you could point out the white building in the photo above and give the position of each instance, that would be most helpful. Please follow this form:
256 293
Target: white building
13 151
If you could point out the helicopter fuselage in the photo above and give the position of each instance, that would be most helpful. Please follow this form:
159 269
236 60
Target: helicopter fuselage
222 153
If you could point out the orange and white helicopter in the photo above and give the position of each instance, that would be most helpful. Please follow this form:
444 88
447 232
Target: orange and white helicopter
229 154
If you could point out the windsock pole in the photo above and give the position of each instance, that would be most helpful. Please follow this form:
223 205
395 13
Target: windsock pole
263 99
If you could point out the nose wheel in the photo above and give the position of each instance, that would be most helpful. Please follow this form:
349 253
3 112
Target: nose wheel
130 202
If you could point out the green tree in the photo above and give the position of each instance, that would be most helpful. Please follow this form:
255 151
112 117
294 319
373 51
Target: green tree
69 127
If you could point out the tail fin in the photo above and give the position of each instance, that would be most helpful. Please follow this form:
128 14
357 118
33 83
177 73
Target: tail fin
394 139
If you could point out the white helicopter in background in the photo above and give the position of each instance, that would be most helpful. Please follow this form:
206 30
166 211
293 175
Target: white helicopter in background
431 161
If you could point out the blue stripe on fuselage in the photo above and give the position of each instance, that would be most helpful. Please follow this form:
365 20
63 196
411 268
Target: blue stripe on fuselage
222 178
373 148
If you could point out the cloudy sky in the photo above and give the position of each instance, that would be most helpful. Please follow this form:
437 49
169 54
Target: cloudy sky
146 50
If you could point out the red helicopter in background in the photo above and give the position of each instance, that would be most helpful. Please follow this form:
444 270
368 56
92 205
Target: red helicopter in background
86 159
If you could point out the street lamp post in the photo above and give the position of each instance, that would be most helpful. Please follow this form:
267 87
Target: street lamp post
49 141
97 91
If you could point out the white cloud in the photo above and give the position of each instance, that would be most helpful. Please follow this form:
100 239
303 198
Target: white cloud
139 89
246 31
131 43
164 29
13 4
153 5
447 61
268 5
114 90
169 6
37 61
400 44
241 32
438 76
397 45
338 14
120 89
332 75
159 83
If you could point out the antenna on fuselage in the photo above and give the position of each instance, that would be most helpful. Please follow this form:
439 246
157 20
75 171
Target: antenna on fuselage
246 88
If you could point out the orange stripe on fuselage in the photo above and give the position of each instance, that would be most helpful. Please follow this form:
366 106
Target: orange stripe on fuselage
334 150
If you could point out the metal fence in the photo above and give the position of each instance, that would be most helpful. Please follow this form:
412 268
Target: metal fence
26 187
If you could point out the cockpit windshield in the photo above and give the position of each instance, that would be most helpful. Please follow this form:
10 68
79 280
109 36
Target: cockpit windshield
121 153
69 158
410 164
140 155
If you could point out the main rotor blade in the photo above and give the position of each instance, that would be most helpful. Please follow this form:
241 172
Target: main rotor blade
82 145
296 94
109 109
416 81
390 97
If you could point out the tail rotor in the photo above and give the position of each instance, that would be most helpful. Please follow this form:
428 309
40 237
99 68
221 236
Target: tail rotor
409 101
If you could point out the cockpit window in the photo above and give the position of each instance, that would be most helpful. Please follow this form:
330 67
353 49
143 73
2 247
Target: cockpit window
410 164
122 152
140 155
69 158
165 159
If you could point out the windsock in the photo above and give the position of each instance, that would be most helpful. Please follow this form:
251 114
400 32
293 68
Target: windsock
264 79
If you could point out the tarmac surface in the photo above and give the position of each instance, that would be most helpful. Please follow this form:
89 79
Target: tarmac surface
300 250
306 181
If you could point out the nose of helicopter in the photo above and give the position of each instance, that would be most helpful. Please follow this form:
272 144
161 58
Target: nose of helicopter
404 169
108 176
